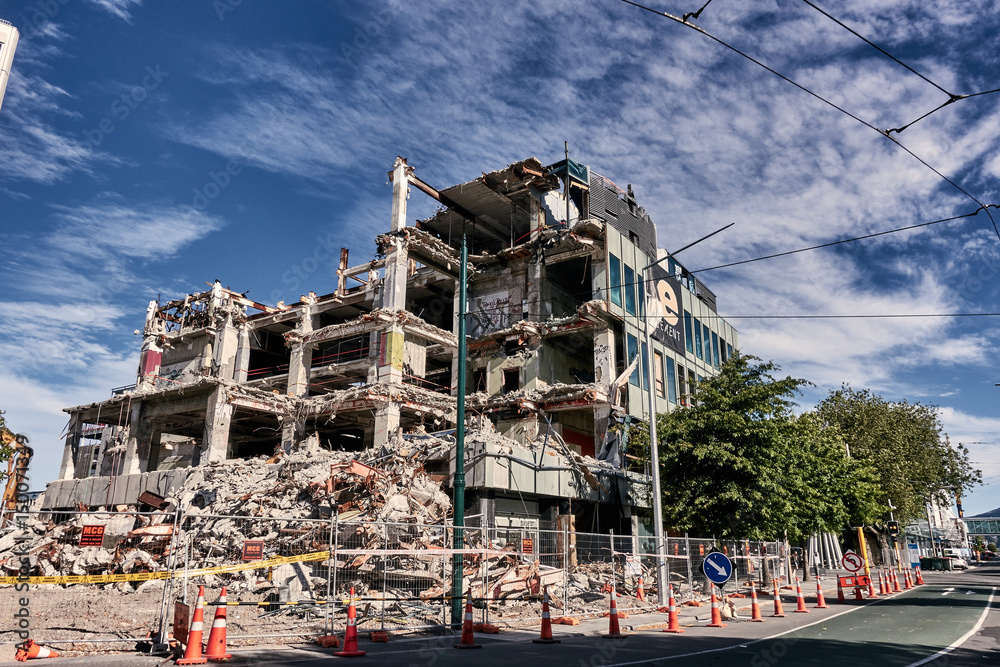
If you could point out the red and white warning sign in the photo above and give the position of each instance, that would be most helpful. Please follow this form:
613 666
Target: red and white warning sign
852 562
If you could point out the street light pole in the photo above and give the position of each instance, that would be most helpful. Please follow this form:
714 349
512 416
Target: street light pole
662 571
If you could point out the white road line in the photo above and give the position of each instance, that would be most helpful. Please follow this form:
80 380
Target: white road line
745 644
961 640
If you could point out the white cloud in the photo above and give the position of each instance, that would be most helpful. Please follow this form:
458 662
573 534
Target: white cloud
120 8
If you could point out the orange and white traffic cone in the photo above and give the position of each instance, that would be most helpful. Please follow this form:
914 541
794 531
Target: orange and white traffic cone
755 616
800 601
820 600
351 633
895 583
614 630
215 650
920 577
639 594
882 588
840 592
672 624
192 654
857 590
546 637
716 613
29 650
872 595
907 582
468 639
779 612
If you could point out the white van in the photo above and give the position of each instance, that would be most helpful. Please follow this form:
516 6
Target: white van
959 559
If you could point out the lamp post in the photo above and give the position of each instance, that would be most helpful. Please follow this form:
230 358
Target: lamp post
662 572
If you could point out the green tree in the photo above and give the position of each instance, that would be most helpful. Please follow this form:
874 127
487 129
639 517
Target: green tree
740 464
903 444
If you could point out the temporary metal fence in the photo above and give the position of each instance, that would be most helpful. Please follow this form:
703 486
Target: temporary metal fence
292 577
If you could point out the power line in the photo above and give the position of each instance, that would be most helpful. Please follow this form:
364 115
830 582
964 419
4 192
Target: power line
833 243
884 133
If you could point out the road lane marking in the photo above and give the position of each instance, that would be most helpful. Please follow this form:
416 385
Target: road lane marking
961 640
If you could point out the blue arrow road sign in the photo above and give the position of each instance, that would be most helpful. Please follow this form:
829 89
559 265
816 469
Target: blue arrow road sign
717 567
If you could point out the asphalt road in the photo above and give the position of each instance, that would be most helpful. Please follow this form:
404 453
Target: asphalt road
954 612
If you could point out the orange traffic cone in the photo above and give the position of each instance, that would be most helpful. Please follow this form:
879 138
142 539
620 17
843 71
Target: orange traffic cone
672 623
29 650
820 600
882 588
351 633
800 607
192 654
716 613
546 637
614 631
907 582
857 590
840 592
639 594
215 650
920 577
778 611
755 616
872 595
895 583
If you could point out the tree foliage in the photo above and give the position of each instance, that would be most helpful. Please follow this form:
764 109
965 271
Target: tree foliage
903 444
741 464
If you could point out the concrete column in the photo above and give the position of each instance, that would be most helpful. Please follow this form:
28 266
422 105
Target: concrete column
67 469
604 374
218 415
393 298
227 341
301 359
242 354
400 192
386 423
136 442
151 353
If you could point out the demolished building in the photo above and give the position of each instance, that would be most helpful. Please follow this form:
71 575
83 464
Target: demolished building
561 290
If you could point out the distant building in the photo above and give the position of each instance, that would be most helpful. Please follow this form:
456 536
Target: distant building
985 525
560 290
8 45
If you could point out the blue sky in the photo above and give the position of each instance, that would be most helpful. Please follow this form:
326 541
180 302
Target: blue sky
148 148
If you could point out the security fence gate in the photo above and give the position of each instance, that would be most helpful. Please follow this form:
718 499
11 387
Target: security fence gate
118 577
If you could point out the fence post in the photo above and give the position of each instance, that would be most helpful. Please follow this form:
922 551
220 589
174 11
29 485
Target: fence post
333 555
385 584
566 568
331 564
687 551
168 586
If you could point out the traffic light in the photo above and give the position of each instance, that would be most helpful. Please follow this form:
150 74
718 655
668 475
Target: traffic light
893 527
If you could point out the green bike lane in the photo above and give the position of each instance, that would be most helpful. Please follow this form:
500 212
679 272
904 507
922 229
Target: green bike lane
902 630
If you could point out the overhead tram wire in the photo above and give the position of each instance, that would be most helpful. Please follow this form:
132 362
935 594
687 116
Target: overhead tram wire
952 97
833 243
822 99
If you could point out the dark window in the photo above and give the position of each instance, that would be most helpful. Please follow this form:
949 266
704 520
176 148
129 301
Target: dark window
511 379
688 335
716 361
671 381
658 373
479 380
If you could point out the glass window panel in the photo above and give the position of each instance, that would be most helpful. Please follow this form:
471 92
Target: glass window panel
671 382
632 344
658 373
698 349
615 279
715 350
688 336
629 287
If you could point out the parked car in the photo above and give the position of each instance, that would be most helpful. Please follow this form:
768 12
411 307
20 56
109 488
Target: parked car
958 561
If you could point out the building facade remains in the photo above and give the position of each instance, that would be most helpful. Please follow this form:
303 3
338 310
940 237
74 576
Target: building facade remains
560 294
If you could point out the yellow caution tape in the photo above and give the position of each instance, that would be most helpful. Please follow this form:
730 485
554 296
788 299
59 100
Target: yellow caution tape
238 567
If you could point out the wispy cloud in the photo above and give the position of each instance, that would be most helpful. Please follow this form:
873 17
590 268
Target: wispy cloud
120 8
